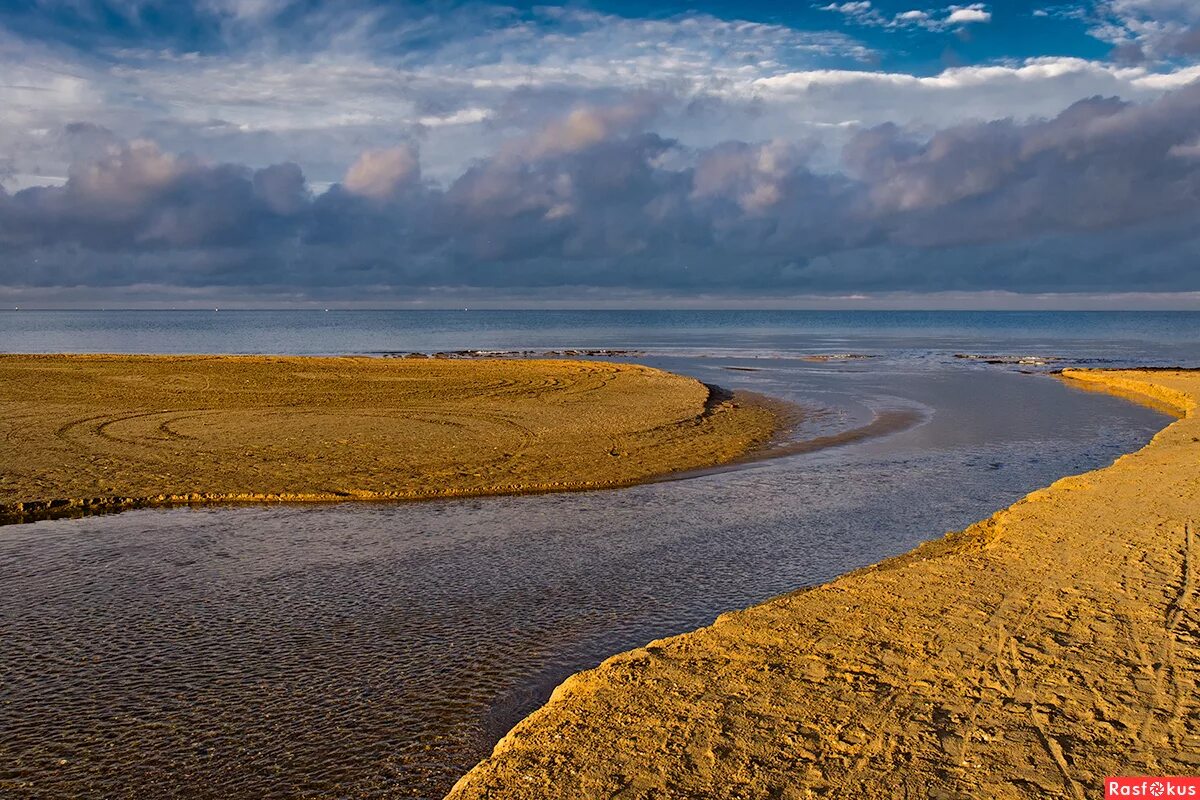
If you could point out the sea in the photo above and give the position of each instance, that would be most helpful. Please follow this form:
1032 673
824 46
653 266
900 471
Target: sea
380 650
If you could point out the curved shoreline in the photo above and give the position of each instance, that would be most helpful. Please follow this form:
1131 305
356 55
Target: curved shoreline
884 424
153 431
1028 655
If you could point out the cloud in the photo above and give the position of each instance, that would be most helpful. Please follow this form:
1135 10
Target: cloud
1102 197
135 197
587 126
256 11
380 173
963 15
282 189
247 79
1157 31
860 9
753 177
862 12
321 83
1100 165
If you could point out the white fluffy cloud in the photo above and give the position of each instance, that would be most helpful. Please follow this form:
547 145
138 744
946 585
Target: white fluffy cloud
863 12
346 78
356 87
323 109
964 15
1142 30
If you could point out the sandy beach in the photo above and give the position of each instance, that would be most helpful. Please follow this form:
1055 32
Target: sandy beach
97 432
1030 655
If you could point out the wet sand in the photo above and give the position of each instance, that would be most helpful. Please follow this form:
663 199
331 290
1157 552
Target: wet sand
104 432
1030 655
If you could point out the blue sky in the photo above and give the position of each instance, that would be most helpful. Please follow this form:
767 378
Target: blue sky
298 151
1015 30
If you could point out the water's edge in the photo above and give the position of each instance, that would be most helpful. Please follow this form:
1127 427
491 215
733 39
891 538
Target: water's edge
783 442
1094 380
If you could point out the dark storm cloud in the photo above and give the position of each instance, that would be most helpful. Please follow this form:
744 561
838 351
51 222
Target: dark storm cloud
137 197
1100 164
1103 196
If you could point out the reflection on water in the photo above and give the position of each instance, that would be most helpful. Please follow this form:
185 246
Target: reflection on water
380 650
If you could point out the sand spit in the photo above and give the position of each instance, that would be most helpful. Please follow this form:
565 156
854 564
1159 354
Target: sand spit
1028 656
83 433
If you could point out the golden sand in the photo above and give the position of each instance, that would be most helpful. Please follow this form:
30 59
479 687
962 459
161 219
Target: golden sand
116 431
1028 656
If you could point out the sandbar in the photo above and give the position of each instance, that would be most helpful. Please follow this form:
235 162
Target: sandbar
85 433
1030 655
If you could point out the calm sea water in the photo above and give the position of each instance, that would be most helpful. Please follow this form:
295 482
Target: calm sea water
374 650
1157 336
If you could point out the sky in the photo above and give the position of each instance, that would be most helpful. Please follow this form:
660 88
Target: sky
860 153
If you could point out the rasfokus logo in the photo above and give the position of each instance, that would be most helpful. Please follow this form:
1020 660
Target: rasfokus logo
1151 787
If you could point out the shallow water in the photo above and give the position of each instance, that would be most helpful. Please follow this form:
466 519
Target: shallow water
380 650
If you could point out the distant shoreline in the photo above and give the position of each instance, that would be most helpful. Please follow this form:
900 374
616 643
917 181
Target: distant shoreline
97 433
1029 655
